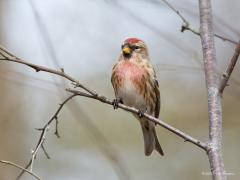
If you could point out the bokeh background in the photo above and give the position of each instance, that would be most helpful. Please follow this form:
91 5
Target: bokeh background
84 38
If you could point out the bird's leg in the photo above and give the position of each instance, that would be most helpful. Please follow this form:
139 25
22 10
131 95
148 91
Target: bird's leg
141 112
115 103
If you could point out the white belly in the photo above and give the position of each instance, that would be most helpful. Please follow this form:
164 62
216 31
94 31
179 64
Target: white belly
131 96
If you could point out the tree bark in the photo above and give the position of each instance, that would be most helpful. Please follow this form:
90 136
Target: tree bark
212 83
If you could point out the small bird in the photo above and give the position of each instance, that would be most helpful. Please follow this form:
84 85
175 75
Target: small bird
135 84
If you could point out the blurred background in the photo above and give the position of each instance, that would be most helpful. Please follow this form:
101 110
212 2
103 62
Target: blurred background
84 38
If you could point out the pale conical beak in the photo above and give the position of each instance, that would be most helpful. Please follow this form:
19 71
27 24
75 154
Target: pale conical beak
126 50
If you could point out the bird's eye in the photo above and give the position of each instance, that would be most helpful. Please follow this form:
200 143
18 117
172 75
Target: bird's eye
136 47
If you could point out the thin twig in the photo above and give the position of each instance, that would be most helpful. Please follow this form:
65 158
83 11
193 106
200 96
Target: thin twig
56 127
40 143
20 167
212 83
176 11
176 131
45 151
187 26
37 68
42 137
225 39
230 67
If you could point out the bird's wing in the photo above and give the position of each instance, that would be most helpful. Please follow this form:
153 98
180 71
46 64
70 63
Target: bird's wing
157 94
113 74
158 99
113 79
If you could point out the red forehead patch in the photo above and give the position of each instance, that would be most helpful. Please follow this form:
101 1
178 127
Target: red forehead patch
132 40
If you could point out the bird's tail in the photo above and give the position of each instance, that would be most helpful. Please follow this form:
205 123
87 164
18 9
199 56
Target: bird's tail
150 139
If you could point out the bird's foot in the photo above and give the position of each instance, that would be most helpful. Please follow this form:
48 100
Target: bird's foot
115 103
141 112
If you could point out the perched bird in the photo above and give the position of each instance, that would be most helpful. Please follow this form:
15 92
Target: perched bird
135 84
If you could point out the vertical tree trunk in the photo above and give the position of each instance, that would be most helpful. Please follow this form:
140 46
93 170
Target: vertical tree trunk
212 83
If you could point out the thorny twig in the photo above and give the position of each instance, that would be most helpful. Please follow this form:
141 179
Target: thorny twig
187 26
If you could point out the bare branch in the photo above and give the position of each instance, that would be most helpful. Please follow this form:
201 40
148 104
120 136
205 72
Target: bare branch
230 67
187 26
212 83
10 57
176 131
42 137
225 39
40 143
22 168
176 11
